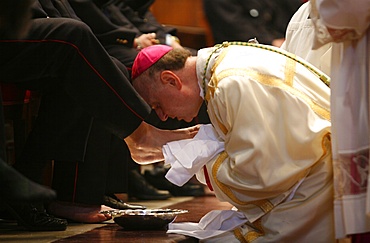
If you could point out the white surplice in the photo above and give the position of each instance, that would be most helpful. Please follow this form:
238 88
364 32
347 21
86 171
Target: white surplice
299 38
350 69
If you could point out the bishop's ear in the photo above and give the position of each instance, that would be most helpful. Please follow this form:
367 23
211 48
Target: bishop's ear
170 78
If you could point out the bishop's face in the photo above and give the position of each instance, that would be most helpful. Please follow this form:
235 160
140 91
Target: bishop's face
183 104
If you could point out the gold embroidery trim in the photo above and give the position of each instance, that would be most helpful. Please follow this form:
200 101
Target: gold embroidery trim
276 82
221 126
265 205
251 235
213 82
321 75
239 235
326 145
210 89
289 71
290 56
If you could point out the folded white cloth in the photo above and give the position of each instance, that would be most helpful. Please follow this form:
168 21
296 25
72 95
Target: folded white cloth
214 223
188 156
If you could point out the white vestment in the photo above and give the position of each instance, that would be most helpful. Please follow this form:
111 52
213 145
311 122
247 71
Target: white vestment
272 114
299 38
349 107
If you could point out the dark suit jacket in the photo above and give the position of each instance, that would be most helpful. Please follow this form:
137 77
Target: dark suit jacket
105 30
241 20
141 18
116 24
86 11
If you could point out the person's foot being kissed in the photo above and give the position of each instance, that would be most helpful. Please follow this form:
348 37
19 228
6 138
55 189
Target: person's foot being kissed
146 142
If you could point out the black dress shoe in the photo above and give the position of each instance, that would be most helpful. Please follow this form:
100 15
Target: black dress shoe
30 218
113 202
156 177
139 188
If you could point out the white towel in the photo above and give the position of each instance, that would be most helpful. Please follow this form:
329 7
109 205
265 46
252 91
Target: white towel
188 156
214 223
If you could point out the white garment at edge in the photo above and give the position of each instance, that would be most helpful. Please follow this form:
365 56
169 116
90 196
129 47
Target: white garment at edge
350 81
299 40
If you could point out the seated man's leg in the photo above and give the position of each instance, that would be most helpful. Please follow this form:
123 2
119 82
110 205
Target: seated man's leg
64 133
89 162
83 185
65 54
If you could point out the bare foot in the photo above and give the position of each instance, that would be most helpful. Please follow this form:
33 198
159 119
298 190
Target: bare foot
80 212
146 142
